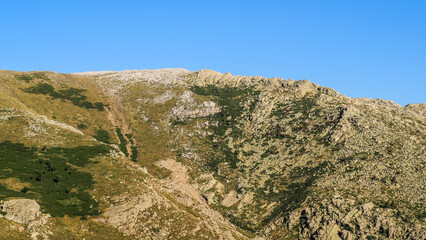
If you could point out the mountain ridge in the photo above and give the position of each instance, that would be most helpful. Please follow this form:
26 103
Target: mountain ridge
199 155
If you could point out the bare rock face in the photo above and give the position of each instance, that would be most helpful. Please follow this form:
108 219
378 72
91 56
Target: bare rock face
27 211
230 199
125 214
205 109
21 210
345 219
162 76
118 79
186 107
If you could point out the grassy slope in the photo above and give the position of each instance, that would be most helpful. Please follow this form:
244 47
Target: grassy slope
61 110
42 161
71 175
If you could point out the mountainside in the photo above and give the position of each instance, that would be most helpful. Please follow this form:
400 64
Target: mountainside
175 154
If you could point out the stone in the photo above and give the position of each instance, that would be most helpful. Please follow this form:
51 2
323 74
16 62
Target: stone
21 210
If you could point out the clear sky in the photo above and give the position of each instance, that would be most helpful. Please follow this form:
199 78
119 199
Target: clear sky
361 48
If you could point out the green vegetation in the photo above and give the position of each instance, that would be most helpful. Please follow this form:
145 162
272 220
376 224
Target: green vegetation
123 145
24 77
29 77
272 150
303 105
314 122
102 135
159 172
130 137
82 126
231 100
294 190
135 153
74 95
5 192
384 231
40 75
53 174
241 223
25 189
249 153
123 141
177 122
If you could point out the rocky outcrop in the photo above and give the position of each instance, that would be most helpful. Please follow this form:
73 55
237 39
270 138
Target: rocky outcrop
27 211
21 210
186 107
116 80
205 109
345 219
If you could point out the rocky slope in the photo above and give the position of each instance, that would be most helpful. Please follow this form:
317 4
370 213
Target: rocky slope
175 154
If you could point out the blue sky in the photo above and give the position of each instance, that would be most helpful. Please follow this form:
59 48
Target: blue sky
360 48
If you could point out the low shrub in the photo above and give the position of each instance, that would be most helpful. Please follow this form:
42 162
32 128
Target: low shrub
59 187
102 135
74 95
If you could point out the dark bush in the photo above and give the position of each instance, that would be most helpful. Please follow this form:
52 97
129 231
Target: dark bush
74 95
135 154
123 142
24 77
40 75
102 135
